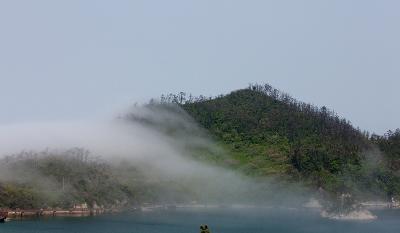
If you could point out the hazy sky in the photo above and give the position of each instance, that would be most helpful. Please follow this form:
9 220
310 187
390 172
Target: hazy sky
63 60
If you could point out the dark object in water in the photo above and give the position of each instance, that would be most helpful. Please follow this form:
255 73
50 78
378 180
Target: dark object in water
204 229
3 216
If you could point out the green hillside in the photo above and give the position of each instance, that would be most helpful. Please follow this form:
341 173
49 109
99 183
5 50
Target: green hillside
270 133
34 180
43 179
258 132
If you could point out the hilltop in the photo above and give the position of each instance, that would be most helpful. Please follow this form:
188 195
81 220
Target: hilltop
257 132
268 132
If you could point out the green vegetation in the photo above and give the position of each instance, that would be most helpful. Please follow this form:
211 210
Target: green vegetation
32 180
269 133
263 132
388 176
40 180
390 145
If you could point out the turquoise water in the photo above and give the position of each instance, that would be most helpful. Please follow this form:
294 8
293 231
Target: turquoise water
219 221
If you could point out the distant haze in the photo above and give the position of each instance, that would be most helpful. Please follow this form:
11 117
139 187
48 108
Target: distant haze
68 60
151 148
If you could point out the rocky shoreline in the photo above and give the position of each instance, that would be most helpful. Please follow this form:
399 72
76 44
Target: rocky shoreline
82 212
33 213
16 214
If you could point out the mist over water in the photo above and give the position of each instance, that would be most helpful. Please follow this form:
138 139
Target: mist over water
162 143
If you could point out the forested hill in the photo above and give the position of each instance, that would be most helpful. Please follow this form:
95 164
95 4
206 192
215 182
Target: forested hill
269 132
265 132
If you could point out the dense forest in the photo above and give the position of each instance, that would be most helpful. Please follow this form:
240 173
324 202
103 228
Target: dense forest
54 179
60 179
271 133
258 131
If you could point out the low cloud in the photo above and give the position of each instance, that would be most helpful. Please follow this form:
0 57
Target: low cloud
158 140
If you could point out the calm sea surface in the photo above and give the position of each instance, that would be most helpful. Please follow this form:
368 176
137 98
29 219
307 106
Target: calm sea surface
219 221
